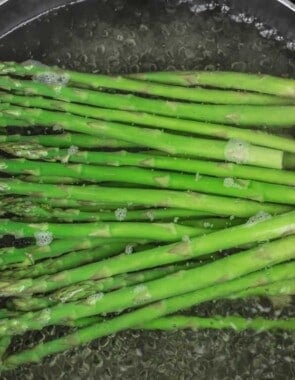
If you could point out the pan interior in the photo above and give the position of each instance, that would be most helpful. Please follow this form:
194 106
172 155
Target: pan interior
129 36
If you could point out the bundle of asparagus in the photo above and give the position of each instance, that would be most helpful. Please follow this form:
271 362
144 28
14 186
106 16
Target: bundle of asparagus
198 207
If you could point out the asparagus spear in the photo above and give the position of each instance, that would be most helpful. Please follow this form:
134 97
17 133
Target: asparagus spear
219 322
142 197
289 161
128 230
140 316
226 132
244 115
29 255
278 288
166 323
218 272
8 121
24 208
83 206
265 84
66 140
197 247
88 288
4 344
50 179
235 151
45 73
67 261
151 160
258 191
282 286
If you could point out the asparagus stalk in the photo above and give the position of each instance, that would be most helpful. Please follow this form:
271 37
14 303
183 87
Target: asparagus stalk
142 197
232 150
244 115
226 132
123 158
258 191
4 344
278 288
6 313
23 207
218 272
94 81
128 230
88 288
83 206
29 255
140 316
6 121
265 84
167 254
50 179
289 161
66 261
219 322
66 140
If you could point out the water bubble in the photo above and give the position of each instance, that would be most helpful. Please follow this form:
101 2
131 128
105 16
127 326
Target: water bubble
73 150
235 183
150 215
57 128
120 214
52 79
92 300
291 45
267 33
238 17
142 294
259 217
224 8
129 249
259 25
33 63
43 238
186 239
237 151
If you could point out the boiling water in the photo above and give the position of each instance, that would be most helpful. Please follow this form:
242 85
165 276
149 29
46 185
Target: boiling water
129 36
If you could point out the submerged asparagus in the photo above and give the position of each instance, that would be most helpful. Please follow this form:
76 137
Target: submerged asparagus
258 191
143 197
225 132
151 160
119 265
265 84
244 115
189 249
233 150
46 74
140 316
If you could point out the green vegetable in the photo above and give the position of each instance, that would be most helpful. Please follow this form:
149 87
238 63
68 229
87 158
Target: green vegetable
258 191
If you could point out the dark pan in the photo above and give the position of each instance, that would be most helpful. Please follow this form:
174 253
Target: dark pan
129 36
